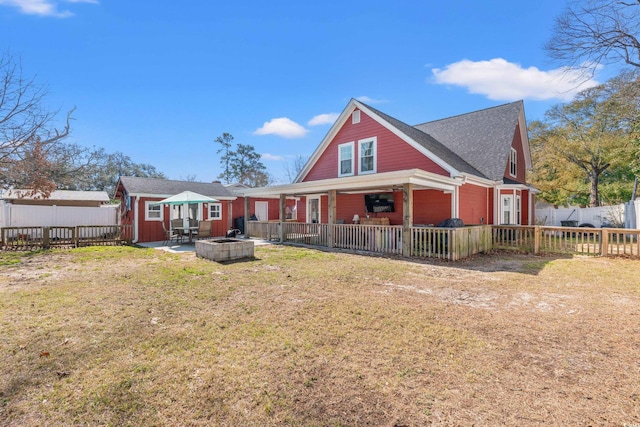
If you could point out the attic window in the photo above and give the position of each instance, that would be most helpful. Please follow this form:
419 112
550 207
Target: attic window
355 117
513 163
345 159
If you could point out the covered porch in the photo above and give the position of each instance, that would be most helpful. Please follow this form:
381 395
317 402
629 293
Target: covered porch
392 213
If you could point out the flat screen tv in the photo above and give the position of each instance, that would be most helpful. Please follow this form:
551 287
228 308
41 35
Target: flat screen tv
376 203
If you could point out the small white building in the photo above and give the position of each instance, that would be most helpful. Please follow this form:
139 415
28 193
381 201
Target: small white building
19 208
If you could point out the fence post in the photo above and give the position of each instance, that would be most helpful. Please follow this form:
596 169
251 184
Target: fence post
76 237
604 247
46 237
537 234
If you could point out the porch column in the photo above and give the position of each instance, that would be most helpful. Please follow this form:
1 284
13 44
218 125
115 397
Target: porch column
229 215
407 218
247 214
283 216
332 218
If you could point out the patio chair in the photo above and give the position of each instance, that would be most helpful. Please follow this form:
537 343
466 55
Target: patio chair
204 229
169 235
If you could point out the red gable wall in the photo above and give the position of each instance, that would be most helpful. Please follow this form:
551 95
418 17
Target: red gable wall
393 153
521 167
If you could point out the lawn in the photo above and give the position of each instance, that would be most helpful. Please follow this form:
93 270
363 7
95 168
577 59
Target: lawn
127 336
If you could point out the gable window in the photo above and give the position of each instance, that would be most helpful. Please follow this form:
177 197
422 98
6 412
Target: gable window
513 163
153 212
345 159
215 211
367 159
355 117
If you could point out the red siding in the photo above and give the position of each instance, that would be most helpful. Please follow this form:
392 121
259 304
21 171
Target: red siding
392 152
431 206
474 204
521 175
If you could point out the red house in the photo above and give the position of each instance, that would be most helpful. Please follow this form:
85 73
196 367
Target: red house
376 169
137 198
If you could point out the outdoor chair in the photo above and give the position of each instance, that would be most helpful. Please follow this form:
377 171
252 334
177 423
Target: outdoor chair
169 235
204 229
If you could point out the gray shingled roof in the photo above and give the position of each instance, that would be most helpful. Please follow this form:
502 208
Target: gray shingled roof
482 138
166 188
430 143
62 195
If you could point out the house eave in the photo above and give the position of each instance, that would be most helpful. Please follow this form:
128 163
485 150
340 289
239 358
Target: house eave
419 178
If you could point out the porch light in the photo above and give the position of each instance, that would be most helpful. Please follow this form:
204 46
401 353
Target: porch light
356 219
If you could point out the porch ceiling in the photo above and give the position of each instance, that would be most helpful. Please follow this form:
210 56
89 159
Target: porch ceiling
361 183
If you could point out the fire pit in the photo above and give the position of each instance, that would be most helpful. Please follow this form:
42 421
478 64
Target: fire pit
224 249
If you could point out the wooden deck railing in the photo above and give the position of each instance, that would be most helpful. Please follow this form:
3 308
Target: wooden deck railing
31 238
455 243
385 239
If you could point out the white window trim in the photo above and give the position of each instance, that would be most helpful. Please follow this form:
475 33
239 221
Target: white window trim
375 155
147 204
353 157
319 199
219 211
355 117
513 162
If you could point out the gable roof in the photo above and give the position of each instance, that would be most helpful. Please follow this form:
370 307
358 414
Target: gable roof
429 143
483 137
58 195
476 143
156 187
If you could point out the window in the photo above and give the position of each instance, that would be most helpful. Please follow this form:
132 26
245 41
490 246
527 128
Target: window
367 161
513 163
345 159
153 212
355 117
518 211
215 211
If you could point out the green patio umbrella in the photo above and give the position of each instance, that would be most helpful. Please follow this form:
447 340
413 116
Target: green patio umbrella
186 197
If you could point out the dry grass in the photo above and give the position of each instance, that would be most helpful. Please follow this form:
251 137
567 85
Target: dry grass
125 336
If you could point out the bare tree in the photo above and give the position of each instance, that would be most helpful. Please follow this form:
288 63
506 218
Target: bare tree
591 33
293 170
27 132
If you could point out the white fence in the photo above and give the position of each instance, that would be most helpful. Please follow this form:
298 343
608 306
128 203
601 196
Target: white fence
598 217
56 216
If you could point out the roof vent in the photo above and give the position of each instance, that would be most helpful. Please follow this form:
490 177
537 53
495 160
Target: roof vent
355 117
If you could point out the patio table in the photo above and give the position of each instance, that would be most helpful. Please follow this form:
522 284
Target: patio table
190 231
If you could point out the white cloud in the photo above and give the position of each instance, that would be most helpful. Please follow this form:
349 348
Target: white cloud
323 119
283 127
368 100
501 80
43 7
267 156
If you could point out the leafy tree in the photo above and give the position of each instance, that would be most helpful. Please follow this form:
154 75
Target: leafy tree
109 168
27 132
246 167
587 144
225 140
591 33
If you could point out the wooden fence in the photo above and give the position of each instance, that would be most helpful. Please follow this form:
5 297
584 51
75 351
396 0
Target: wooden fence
31 238
569 240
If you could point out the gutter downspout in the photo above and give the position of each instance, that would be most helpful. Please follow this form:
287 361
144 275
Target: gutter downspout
135 221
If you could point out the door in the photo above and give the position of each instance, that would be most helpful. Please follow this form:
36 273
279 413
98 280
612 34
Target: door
506 208
262 211
313 210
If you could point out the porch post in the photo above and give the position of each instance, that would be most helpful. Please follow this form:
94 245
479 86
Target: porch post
229 215
283 216
332 218
407 218
247 214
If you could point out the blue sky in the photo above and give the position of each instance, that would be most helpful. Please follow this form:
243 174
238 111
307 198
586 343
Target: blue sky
160 80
